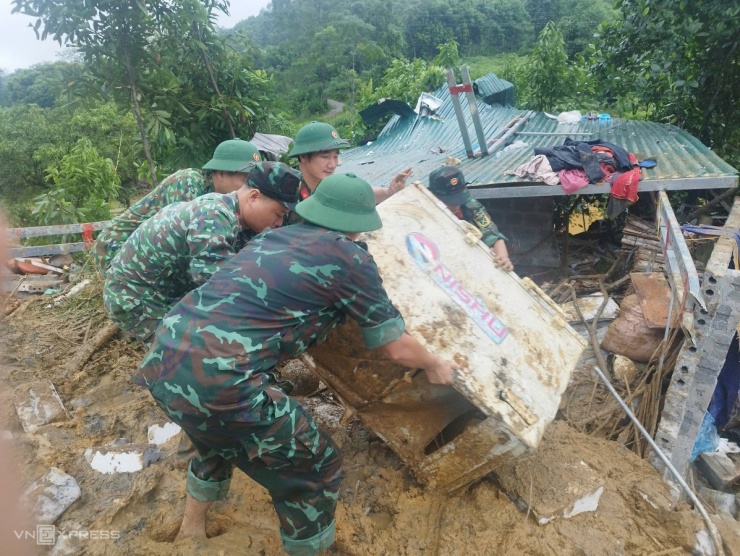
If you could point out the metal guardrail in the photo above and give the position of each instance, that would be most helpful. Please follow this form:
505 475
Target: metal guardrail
85 230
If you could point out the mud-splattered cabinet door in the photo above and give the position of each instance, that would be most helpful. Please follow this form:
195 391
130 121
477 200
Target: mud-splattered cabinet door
512 342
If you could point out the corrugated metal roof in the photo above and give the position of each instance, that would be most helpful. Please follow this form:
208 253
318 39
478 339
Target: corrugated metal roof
424 143
494 90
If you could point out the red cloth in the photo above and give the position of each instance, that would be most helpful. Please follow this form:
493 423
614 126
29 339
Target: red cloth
624 185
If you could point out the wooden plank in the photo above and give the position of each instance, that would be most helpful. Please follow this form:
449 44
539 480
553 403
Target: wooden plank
654 293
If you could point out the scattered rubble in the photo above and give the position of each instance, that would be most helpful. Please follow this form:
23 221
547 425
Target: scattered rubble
38 404
582 492
721 471
49 497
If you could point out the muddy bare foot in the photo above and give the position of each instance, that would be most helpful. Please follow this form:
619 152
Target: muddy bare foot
194 519
191 530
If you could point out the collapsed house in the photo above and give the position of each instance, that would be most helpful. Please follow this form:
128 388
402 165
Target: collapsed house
491 139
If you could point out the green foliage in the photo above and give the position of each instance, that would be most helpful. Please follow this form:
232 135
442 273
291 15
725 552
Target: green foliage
187 116
405 80
54 207
187 87
546 71
83 183
42 84
549 82
503 65
581 20
678 62
22 129
33 139
448 55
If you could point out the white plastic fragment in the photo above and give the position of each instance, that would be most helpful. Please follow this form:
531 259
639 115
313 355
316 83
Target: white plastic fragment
49 497
588 503
589 306
159 434
74 290
126 458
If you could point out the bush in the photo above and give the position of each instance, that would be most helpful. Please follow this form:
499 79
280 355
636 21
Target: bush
84 183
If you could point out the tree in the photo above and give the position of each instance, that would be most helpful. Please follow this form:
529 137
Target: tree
680 61
206 86
513 29
33 139
41 84
112 36
541 13
546 70
581 21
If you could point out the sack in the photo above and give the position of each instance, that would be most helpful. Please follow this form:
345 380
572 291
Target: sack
630 335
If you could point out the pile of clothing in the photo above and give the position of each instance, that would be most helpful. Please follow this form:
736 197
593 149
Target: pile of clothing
575 164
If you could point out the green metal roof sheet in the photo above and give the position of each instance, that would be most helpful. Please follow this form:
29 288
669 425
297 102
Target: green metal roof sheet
423 144
494 90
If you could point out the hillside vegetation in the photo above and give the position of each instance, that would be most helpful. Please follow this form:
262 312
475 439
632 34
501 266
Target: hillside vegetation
156 85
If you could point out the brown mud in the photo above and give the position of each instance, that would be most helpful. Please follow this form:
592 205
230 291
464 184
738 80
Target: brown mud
382 509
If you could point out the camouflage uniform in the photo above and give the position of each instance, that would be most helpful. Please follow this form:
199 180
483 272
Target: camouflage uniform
304 192
167 256
210 362
183 185
476 214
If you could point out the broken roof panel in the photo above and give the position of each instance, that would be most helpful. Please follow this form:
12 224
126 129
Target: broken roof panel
423 143
494 90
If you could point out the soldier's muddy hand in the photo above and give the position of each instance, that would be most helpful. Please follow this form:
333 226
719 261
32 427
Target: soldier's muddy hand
503 262
441 372
399 181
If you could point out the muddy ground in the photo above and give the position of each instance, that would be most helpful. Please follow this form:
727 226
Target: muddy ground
382 509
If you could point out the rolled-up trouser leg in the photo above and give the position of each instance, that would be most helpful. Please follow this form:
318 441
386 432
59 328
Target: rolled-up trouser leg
209 474
281 448
303 492
209 477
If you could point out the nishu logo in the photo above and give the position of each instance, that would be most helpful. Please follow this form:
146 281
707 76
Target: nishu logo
426 254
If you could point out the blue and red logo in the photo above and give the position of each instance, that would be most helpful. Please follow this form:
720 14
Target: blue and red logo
422 249
426 254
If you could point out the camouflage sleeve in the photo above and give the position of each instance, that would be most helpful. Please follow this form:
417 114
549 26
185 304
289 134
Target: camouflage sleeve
211 235
365 300
476 214
182 186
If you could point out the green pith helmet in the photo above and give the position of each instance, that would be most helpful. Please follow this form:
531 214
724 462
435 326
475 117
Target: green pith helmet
316 137
342 202
234 155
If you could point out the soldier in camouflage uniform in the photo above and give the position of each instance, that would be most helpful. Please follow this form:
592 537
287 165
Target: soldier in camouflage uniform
317 148
224 173
180 247
209 367
448 184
